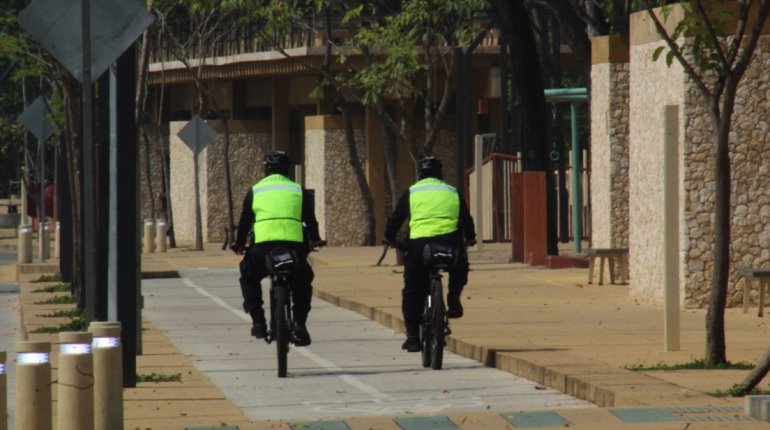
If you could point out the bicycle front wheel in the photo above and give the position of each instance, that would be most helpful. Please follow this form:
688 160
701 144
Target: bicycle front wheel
437 323
282 329
425 333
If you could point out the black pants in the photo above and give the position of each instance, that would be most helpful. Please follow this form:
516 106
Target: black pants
253 270
417 277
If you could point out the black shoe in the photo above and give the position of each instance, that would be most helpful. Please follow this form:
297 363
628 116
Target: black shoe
301 335
259 329
412 344
455 307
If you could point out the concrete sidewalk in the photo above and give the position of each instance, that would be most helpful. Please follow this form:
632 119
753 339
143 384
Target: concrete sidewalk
546 325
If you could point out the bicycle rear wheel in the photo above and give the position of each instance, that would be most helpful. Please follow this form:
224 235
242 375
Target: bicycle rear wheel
437 323
282 329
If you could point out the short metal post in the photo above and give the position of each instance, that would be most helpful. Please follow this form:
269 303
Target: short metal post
33 386
108 375
160 236
3 393
44 235
57 244
76 382
478 163
25 244
149 236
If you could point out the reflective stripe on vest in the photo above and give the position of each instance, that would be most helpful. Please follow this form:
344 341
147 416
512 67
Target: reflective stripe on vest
277 205
434 208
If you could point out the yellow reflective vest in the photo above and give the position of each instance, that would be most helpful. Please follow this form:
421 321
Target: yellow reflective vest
277 205
434 208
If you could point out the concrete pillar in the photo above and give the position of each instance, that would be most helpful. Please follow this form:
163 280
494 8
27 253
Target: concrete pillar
160 236
3 393
149 236
76 382
339 206
755 405
280 106
25 244
609 141
33 386
108 376
376 171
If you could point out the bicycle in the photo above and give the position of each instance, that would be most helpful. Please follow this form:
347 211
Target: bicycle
435 324
280 263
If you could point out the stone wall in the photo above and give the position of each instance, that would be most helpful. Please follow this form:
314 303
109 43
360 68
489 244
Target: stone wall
654 85
609 154
155 138
339 207
248 142
750 199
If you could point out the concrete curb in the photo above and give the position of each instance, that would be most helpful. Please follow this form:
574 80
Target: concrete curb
586 379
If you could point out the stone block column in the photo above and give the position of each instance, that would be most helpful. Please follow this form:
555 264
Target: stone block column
609 141
339 205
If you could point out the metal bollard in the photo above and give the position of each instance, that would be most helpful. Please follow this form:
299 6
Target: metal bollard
149 236
25 244
44 234
57 245
3 393
33 386
755 405
160 237
108 375
76 382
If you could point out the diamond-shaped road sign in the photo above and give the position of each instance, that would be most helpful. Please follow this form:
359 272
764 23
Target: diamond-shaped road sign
57 26
196 134
36 118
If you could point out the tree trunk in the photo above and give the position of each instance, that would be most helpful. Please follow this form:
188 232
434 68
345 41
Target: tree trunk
389 144
756 375
715 317
513 18
72 117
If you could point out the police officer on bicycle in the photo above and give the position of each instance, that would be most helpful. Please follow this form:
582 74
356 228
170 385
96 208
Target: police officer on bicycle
437 213
280 214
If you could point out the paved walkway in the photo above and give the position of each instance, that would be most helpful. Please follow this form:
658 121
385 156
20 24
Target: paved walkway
546 325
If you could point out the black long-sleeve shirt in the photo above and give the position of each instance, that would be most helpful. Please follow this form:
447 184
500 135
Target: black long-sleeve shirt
309 222
466 230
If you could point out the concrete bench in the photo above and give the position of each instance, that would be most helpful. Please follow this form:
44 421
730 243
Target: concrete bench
612 256
763 278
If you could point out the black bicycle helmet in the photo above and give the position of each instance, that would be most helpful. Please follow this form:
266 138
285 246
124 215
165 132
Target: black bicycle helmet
430 167
276 162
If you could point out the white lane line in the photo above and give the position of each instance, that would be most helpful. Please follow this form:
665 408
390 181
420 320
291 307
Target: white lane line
326 364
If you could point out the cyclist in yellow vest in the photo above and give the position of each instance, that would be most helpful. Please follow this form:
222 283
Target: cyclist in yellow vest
437 213
279 213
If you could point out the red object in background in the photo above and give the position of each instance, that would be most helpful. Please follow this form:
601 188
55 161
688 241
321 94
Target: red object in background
49 193
32 198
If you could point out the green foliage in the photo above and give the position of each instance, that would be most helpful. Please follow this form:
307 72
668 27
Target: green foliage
57 300
736 391
77 324
65 313
63 287
56 277
702 47
156 377
695 364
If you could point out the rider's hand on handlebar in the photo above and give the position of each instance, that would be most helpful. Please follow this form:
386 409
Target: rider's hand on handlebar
237 249
390 242
317 244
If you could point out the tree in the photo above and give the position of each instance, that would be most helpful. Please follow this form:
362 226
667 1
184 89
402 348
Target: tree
527 79
715 63
207 23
